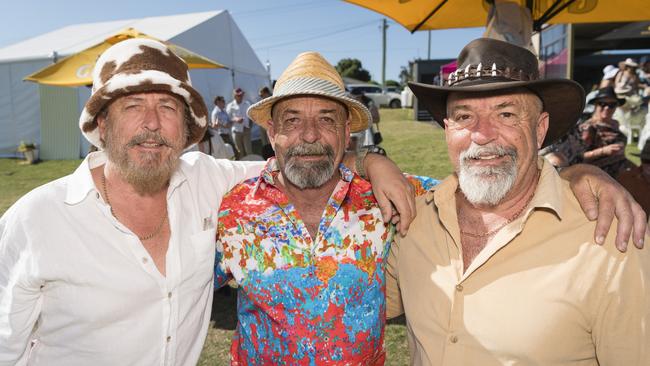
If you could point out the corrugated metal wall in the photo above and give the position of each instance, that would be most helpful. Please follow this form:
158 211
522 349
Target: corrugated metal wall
59 123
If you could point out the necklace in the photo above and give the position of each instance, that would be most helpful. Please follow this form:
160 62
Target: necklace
511 219
142 238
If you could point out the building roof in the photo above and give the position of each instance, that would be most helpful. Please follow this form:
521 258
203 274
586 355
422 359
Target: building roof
74 38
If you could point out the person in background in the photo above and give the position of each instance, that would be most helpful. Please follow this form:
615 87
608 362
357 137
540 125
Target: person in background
609 74
644 76
604 143
259 138
241 125
627 81
221 121
569 149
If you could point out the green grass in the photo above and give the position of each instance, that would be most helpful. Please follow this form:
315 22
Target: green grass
418 148
17 179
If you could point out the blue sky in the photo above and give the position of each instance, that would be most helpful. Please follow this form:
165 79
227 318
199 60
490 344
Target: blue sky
277 30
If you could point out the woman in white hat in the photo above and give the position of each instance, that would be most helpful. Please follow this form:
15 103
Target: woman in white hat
627 81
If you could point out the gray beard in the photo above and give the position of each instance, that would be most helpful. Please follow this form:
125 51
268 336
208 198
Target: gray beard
152 173
487 185
306 175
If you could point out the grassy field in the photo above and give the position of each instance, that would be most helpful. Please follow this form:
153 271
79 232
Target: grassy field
418 148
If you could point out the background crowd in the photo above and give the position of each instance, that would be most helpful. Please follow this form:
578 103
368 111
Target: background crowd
615 114
232 135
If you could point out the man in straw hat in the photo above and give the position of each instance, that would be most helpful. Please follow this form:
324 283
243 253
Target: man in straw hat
499 266
304 240
113 265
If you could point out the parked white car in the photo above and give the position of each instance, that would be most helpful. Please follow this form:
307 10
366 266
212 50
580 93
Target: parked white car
381 97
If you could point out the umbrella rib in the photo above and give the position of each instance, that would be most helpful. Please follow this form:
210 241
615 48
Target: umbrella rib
550 13
429 16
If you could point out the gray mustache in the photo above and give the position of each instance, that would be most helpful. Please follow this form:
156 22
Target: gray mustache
149 136
474 152
310 149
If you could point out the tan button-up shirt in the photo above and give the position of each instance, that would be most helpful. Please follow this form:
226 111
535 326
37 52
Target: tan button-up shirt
540 292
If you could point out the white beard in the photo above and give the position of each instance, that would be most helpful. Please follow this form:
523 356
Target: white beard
486 185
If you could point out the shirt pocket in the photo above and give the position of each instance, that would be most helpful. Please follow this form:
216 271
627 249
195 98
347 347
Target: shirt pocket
204 247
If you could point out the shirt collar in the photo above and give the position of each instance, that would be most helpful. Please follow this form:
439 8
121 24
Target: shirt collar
81 182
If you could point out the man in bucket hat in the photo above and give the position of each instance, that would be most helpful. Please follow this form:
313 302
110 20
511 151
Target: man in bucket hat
499 266
304 241
113 265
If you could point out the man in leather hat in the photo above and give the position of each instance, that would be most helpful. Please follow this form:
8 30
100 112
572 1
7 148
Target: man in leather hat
499 266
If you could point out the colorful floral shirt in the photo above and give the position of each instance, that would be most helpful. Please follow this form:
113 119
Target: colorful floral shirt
305 301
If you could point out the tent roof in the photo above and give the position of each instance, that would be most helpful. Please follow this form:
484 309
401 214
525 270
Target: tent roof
74 38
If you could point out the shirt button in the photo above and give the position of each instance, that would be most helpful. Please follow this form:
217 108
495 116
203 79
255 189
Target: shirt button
459 288
453 339
145 260
97 195
169 338
169 295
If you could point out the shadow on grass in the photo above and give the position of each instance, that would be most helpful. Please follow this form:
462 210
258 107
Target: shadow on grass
400 320
224 309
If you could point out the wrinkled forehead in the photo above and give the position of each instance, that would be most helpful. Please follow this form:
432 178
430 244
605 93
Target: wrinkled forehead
306 103
521 97
159 97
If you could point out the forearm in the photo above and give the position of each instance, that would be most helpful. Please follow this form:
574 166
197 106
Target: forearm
593 154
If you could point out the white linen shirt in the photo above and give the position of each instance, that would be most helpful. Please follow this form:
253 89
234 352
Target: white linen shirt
236 110
78 288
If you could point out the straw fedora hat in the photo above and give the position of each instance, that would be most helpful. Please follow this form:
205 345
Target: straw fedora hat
310 74
491 65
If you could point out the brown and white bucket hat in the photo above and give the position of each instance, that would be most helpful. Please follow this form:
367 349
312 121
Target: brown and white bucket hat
136 66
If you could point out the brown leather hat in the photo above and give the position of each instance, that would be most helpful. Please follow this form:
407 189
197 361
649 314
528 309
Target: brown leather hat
491 65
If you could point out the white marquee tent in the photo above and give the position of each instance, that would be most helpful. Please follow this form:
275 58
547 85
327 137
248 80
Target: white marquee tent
47 115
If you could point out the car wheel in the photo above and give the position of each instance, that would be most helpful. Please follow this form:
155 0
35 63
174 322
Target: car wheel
395 103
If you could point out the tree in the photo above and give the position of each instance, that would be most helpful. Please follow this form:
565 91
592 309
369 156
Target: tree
393 83
406 74
352 68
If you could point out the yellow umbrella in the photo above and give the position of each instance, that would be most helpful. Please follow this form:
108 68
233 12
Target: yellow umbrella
76 70
443 14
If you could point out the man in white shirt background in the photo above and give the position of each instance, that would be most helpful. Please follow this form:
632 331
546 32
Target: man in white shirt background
241 125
